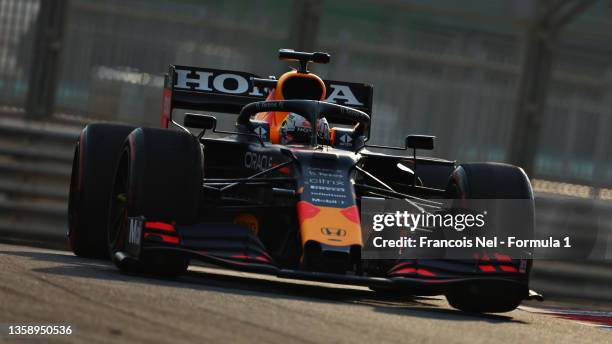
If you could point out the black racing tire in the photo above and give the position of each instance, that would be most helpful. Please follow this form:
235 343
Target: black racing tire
490 181
93 171
486 297
159 176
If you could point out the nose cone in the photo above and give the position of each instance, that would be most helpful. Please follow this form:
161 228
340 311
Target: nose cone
329 225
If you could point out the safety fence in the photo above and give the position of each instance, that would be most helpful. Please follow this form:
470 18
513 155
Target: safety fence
438 68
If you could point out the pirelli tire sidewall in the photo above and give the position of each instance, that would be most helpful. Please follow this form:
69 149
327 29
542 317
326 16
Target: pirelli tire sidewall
93 169
165 175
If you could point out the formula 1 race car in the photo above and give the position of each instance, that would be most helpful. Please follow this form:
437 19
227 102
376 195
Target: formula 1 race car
280 194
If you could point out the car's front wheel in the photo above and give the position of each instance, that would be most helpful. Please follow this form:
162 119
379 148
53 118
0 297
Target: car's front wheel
158 176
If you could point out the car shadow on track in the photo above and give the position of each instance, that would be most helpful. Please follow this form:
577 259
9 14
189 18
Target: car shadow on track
427 307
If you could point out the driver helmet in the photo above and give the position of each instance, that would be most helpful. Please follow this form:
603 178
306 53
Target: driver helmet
297 129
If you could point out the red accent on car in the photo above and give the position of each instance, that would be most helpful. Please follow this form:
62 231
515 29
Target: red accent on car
425 272
405 271
487 268
166 107
351 213
262 258
162 226
239 256
284 170
306 211
165 238
508 268
400 265
485 257
422 272
502 257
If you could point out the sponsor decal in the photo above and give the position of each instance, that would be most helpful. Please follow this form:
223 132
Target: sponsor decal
327 187
262 129
345 139
342 94
257 161
239 83
224 82
333 232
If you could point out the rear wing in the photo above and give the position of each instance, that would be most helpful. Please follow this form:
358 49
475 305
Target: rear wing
216 90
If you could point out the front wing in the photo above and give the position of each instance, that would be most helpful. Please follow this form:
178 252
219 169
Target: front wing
236 247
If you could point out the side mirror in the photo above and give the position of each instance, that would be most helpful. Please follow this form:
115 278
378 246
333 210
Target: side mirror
206 122
420 142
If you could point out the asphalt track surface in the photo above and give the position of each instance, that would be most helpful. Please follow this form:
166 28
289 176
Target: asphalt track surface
209 305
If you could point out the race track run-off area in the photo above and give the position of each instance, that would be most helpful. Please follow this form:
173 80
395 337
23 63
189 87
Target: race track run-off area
102 305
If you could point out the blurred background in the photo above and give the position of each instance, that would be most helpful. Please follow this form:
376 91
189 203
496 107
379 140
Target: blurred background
521 81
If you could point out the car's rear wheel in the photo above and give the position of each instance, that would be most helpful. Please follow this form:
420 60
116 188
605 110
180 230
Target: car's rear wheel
93 170
491 181
158 176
